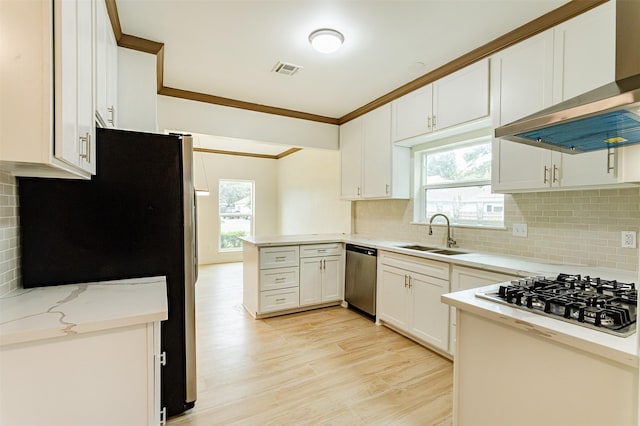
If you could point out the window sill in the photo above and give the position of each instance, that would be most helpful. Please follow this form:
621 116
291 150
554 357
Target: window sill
491 228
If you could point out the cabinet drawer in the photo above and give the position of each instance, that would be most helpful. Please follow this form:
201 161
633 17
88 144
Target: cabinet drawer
273 279
314 250
278 300
431 268
279 257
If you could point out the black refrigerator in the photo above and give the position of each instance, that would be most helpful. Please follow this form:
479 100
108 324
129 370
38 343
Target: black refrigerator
134 218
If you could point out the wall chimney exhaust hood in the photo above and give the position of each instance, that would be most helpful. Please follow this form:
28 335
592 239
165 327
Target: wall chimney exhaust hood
607 117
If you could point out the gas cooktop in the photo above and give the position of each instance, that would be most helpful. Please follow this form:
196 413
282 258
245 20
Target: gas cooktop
604 305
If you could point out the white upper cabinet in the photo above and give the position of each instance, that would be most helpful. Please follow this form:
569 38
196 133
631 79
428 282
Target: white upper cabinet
521 82
47 102
558 64
106 68
371 166
459 98
351 159
584 53
412 113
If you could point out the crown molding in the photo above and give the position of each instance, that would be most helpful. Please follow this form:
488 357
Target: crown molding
544 22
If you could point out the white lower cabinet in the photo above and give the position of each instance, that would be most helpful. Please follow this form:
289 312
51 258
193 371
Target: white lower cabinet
279 278
321 277
464 278
409 290
278 300
109 377
284 279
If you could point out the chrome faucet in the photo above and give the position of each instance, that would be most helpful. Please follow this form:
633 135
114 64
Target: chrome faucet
450 241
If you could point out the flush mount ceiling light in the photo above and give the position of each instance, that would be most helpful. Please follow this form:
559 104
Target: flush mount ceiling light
326 40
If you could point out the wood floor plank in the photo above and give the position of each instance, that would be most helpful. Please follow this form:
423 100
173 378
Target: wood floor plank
327 366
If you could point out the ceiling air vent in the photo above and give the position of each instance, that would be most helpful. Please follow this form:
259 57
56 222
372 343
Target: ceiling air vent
285 68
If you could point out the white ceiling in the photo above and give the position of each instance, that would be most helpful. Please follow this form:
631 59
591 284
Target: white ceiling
228 48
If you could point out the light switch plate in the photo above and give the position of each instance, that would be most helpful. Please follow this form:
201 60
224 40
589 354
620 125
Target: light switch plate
519 229
628 239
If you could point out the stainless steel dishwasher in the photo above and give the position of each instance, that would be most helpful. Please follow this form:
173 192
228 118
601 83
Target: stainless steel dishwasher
360 279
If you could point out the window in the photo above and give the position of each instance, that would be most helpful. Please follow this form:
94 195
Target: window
236 213
456 181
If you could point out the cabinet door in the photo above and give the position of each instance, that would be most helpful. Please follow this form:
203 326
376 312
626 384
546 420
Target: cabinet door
591 168
376 151
523 75
102 21
86 105
429 316
66 145
463 278
310 280
351 159
461 97
526 76
584 52
585 60
517 167
393 300
412 114
332 279
112 78
73 44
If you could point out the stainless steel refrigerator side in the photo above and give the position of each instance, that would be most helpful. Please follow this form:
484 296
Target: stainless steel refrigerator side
190 269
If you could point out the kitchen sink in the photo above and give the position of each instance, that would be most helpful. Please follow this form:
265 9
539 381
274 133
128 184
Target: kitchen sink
419 247
447 252
435 250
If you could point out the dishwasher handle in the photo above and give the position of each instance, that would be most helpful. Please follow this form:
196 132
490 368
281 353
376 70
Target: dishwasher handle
364 250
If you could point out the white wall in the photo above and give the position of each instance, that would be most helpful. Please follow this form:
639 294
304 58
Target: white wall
137 98
263 172
308 193
200 117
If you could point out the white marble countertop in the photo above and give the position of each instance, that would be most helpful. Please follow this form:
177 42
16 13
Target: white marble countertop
44 312
512 265
620 349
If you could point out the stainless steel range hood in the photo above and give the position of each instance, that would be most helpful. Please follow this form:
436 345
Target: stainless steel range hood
607 117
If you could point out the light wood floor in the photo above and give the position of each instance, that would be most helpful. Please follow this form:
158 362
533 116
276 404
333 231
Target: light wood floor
328 366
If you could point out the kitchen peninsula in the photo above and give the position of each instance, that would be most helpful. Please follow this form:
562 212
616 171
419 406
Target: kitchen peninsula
82 353
462 270
511 361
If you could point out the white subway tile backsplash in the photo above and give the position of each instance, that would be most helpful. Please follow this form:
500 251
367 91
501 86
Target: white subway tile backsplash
573 227
9 234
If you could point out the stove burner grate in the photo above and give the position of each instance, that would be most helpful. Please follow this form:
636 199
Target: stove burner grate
606 305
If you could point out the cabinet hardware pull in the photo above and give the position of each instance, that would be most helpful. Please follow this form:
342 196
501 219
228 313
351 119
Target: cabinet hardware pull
358 191
280 258
611 165
554 178
429 122
544 176
405 281
410 285
280 279
112 112
163 416
280 300
387 189
86 141
434 121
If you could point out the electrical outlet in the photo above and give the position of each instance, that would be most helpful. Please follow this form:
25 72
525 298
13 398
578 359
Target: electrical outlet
628 239
519 229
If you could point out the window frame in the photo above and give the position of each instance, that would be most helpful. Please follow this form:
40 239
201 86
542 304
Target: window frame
222 215
420 213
